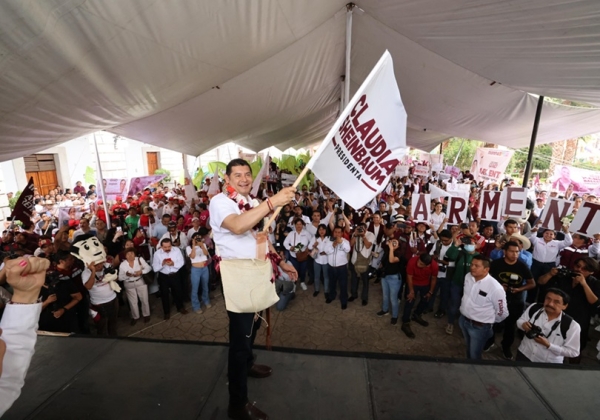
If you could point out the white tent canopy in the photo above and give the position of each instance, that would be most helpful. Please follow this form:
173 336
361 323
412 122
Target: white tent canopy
191 74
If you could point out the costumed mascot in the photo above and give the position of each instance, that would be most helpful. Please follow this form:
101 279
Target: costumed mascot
88 249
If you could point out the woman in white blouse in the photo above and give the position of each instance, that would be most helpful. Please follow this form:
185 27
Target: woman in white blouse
298 242
198 254
437 218
320 259
130 272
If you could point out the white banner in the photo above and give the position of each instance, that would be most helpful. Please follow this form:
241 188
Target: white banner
288 179
456 212
366 143
490 205
582 180
490 164
437 162
587 220
452 171
113 188
401 170
421 170
421 207
554 210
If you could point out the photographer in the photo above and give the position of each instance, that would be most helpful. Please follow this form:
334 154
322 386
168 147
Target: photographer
198 254
362 245
392 279
59 296
583 289
550 334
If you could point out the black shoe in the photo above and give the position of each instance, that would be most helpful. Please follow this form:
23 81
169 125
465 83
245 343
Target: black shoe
247 412
426 311
382 313
352 298
507 353
407 330
394 321
344 306
377 280
439 314
490 345
419 320
365 303
328 300
315 294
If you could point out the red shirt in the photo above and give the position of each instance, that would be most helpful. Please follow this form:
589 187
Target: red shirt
421 276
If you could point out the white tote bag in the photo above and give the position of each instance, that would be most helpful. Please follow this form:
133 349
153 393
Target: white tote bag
247 285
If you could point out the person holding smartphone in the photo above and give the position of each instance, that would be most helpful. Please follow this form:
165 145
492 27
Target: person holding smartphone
167 262
198 254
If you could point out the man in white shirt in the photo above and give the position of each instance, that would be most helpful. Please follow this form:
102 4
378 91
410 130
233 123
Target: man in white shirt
362 245
167 263
483 304
234 237
337 253
546 249
19 324
550 334
298 215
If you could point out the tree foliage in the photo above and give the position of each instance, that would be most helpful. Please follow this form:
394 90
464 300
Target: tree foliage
467 154
542 155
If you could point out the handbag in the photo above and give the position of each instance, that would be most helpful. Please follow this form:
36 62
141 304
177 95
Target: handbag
301 256
247 285
148 277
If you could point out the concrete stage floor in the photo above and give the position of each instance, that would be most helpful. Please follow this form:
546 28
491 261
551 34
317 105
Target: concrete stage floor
100 378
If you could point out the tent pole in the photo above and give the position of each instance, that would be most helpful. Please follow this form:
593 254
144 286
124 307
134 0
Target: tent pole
104 200
349 8
462 143
536 124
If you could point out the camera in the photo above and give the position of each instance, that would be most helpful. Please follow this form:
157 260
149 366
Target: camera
534 332
565 272
360 230
110 270
466 240
442 268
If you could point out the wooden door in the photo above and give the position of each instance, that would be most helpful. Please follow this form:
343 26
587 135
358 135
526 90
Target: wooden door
152 159
43 170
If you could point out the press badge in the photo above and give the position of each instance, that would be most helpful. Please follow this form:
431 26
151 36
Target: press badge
482 293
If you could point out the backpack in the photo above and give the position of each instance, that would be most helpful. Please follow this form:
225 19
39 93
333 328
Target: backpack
565 322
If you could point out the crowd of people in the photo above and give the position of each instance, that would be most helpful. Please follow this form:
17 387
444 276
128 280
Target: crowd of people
160 242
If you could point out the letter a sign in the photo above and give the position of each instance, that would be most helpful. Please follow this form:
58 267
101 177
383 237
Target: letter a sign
367 142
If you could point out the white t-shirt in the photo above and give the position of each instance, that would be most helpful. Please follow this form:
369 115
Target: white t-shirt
200 257
229 244
100 292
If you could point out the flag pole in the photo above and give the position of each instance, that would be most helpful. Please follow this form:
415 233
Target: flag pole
278 209
104 199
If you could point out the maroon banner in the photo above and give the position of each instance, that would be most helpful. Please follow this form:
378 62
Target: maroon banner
24 208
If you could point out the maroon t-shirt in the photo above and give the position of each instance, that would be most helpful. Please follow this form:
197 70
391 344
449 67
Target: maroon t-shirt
421 275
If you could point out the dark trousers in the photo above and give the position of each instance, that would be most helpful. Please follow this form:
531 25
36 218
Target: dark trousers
538 269
338 275
364 277
300 268
83 313
108 317
242 332
515 310
408 306
521 357
173 283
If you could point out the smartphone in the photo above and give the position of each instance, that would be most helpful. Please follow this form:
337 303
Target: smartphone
119 229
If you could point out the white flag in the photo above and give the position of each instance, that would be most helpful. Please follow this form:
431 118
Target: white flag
368 140
214 184
264 170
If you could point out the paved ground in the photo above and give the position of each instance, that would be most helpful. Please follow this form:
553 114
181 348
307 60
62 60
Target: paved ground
310 323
